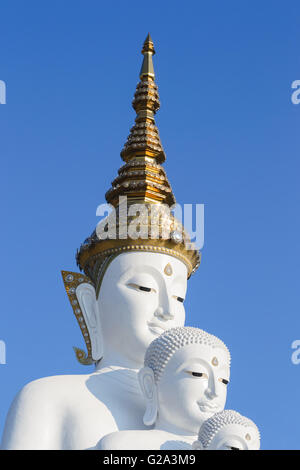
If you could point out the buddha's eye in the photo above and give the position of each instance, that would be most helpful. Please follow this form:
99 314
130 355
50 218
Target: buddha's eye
224 381
197 374
179 299
146 289
142 288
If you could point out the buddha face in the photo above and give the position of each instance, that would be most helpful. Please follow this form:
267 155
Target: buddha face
193 386
235 437
141 296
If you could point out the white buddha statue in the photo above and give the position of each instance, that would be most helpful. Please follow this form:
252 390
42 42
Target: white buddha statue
132 290
184 382
137 302
228 430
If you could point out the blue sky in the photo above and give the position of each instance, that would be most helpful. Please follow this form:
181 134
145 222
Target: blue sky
231 135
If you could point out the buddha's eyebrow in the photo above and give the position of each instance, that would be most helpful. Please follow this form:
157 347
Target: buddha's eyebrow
127 274
193 362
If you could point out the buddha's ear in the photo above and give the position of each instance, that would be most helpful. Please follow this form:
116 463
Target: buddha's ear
86 296
149 390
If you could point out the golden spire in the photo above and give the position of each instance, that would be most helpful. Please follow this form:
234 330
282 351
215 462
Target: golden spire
142 179
148 51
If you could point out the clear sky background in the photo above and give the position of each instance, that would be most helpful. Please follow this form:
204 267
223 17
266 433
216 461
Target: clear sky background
231 135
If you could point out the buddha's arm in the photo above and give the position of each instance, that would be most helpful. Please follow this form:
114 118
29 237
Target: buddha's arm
109 442
124 440
31 420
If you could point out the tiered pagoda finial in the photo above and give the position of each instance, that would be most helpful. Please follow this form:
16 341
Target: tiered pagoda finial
142 179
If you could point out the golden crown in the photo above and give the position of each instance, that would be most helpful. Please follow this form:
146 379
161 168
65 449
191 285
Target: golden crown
142 180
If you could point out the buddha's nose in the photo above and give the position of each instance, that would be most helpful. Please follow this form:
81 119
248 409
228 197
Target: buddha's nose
163 314
210 393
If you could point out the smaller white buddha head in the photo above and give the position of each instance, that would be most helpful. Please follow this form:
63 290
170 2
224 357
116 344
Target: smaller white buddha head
184 378
228 430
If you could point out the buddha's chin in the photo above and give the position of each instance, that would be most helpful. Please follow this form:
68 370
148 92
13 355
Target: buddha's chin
206 413
155 329
141 343
195 419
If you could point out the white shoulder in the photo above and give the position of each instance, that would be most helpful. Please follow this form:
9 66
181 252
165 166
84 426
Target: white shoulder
53 384
33 417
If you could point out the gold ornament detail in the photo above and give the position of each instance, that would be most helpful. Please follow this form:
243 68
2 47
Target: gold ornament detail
215 361
248 437
168 270
71 282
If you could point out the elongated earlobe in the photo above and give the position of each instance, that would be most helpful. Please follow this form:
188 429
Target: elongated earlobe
149 390
86 296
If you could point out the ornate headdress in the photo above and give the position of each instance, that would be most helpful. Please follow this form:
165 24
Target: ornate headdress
142 180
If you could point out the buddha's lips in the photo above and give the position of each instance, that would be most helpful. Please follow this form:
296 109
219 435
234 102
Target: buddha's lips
206 406
156 328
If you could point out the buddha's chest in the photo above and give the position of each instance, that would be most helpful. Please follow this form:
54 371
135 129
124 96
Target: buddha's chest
93 416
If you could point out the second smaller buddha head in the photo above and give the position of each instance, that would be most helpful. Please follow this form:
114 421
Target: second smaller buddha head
184 378
228 430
